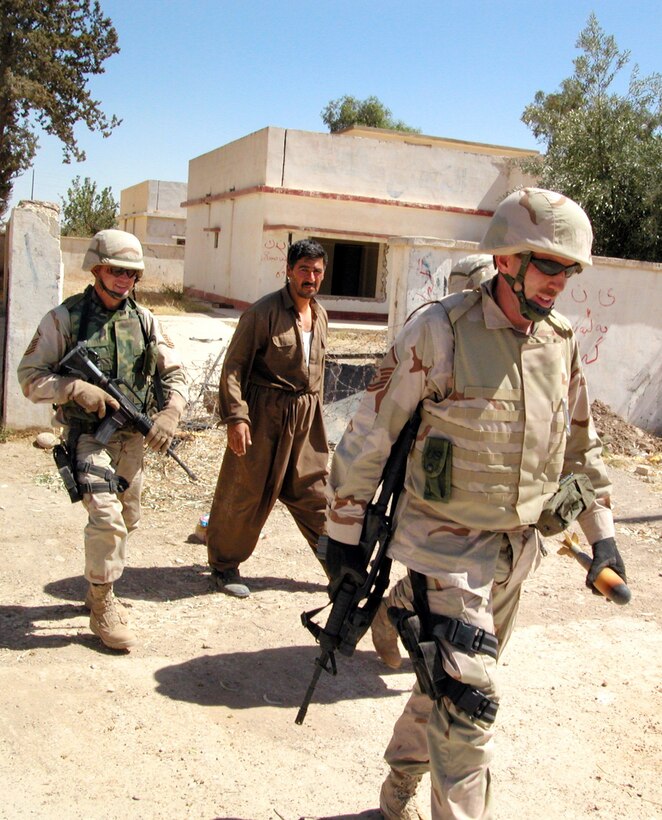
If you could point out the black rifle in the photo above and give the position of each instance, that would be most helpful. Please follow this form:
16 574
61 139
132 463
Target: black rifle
78 362
348 621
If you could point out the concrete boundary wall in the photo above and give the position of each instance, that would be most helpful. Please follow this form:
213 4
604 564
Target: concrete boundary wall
34 285
614 308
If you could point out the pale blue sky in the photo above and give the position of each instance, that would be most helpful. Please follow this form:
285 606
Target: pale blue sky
195 74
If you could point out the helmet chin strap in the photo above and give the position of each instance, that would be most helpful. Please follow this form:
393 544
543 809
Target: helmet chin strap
113 294
530 310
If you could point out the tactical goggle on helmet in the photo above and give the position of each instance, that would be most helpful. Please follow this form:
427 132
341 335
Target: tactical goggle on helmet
535 220
117 248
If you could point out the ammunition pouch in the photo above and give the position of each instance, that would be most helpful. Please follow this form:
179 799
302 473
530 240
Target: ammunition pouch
574 495
437 463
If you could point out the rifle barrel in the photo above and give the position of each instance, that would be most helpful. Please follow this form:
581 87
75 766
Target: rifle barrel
188 471
319 665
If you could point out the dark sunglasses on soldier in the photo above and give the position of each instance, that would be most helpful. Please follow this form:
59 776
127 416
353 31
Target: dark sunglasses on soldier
551 268
117 272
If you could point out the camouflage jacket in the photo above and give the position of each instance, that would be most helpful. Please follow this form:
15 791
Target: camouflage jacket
58 333
422 367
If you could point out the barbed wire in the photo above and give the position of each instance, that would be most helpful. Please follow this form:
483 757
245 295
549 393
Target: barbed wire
345 378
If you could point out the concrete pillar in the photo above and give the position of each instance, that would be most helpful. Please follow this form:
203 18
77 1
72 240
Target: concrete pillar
34 283
418 271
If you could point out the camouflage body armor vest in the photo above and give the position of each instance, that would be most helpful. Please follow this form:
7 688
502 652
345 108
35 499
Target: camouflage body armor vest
119 340
505 419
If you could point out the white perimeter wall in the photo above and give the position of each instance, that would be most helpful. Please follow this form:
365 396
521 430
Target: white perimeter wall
34 287
614 308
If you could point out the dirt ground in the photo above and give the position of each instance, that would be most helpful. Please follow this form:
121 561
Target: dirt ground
198 720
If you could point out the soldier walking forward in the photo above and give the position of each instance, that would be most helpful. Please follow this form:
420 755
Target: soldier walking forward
505 414
129 345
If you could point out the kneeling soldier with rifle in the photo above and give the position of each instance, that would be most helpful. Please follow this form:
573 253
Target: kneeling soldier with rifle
505 417
100 353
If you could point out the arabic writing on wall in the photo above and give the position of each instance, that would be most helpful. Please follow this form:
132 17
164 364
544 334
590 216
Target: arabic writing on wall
275 253
592 326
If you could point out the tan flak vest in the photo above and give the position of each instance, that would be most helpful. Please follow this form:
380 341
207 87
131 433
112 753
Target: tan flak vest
506 418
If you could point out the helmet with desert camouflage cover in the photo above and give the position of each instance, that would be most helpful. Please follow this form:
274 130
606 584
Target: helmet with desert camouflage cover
470 272
113 247
534 219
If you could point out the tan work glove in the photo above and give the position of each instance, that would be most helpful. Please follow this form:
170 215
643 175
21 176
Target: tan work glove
92 398
165 424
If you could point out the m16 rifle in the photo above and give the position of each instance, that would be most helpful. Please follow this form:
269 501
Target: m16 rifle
349 619
80 361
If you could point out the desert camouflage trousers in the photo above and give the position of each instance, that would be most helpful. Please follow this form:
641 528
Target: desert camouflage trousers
111 517
439 737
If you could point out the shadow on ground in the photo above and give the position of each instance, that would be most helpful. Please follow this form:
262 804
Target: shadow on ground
170 584
276 677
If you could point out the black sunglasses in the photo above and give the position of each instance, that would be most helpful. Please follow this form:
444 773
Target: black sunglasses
551 268
117 272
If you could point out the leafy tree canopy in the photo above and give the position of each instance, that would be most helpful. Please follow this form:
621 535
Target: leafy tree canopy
48 51
347 111
604 149
84 211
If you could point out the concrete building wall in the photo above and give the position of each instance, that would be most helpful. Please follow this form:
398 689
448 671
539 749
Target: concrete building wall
614 307
248 200
152 210
255 159
433 172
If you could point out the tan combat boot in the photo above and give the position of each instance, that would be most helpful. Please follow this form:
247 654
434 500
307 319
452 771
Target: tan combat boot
108 619
397 799
385 638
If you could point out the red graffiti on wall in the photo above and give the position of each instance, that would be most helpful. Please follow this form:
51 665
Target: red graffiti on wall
276 252
578 294
585 326
606 298
423 269
593 356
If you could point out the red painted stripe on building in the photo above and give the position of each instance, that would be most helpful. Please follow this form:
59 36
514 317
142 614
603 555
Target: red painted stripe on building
369 200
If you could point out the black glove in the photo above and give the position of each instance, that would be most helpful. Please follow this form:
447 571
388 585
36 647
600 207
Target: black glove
344 561
605 554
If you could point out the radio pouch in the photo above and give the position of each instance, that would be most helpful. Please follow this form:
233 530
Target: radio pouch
437 463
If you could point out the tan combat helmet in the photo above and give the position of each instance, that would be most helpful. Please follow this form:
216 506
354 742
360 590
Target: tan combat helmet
113 247
533 219
470 272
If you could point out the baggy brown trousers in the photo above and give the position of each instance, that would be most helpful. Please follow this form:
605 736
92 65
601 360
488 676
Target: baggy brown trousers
286 461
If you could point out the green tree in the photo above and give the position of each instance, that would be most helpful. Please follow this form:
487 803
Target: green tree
84 211
604 149
48 51
347 111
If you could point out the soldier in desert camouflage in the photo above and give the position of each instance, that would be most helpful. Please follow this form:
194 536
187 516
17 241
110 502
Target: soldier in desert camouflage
131 346
497 377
